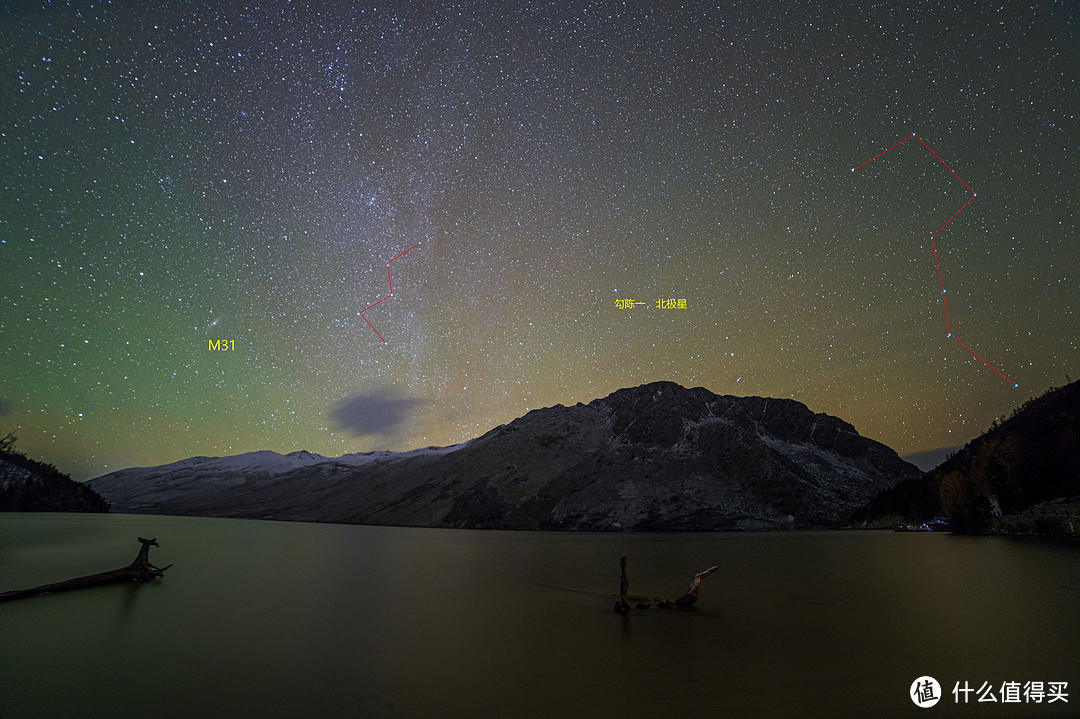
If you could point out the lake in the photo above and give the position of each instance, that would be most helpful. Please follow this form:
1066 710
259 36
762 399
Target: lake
277 619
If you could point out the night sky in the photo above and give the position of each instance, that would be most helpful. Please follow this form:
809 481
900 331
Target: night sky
176 173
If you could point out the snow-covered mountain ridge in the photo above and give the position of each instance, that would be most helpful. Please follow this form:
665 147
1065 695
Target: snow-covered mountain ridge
658 457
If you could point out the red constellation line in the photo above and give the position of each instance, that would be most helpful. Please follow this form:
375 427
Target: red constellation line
941 279
391 291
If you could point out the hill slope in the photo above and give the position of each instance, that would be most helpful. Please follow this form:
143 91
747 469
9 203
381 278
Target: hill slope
1030 458
27 485
654 457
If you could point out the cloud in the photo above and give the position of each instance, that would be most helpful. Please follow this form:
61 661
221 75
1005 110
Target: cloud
5 407
374 413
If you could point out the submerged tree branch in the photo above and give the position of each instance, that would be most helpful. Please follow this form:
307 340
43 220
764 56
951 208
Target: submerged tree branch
621 605
140 570
646 602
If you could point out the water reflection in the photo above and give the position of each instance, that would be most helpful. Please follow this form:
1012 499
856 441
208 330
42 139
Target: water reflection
274 620
127 602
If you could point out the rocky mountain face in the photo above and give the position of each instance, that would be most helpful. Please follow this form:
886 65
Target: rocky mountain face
654 457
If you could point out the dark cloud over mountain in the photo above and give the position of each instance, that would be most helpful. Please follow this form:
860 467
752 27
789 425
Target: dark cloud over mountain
375 413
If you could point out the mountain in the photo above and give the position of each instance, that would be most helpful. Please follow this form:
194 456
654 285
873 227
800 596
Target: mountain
929 459
27 485
1025 461
654 457
195 485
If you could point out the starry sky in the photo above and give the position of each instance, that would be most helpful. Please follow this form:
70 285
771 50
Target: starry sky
177 173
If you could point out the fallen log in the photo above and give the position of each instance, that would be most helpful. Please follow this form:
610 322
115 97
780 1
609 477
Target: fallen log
140 570
647 602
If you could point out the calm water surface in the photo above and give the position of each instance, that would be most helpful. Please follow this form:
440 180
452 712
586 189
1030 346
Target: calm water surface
273 619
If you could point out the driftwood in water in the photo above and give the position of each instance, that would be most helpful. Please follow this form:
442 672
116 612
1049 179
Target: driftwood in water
622 606
691 594
141 570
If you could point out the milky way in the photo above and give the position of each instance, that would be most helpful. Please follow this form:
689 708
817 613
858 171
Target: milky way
174 175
